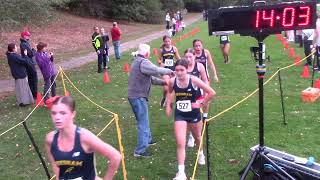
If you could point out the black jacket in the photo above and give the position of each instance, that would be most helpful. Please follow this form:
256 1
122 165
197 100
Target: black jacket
105 39
17 65
24 44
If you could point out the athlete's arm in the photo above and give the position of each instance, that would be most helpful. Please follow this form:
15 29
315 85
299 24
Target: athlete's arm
48 142
92 143
203 73
206 88
176 53
169 97
212 66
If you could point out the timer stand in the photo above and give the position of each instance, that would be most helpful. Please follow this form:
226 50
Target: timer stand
259 154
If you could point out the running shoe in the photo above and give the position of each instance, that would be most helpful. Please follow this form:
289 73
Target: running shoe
180 176
202 159
162 102
190 143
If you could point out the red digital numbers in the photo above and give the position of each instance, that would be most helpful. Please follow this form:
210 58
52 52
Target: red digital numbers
305 15
288 14
270 18
291 16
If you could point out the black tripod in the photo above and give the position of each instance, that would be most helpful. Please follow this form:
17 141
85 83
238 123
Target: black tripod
259 154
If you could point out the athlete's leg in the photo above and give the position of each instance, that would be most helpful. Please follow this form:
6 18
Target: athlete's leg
196 129
226 50
180 130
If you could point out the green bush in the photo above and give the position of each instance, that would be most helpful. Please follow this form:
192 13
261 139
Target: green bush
24 13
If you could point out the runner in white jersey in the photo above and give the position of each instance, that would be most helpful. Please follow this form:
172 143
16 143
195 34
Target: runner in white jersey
307 43
316 42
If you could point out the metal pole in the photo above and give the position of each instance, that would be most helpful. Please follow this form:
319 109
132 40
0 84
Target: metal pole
281 95
314 62
37 150
208 152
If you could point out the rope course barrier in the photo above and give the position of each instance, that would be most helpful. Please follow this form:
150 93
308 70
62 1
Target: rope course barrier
241 101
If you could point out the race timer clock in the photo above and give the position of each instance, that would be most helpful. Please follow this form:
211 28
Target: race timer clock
265 19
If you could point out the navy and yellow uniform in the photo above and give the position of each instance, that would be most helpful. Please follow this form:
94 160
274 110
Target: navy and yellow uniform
203 59
184 99
75 164
168 58
195 72
224 39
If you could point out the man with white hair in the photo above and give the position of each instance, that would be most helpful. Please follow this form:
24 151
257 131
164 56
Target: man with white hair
142 75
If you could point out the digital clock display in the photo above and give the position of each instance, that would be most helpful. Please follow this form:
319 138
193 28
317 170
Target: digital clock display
267 19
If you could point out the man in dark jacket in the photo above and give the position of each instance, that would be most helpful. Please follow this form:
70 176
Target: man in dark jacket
105 46
31 67
97 45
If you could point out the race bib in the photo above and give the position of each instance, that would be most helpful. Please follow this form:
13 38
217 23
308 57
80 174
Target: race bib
224 38
168 62
184 105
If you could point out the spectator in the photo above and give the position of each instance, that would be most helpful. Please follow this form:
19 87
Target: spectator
97 45
139 84
307 43
316 42
18 66
167 21
183 25
49 72
105 47
31 67
174 26
116 36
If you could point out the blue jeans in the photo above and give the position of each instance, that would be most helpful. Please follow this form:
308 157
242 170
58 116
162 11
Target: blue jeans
140 109
116 46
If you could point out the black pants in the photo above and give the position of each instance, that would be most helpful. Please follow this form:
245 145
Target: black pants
299 39
100 59
32 79
318 57
105 58
168 25
307 50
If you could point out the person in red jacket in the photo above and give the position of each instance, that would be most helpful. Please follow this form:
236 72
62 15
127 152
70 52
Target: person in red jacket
116 36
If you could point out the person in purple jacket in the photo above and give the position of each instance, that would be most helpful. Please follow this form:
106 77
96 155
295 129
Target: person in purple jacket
48 70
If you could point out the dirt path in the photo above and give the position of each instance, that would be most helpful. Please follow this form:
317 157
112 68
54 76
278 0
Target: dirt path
8 85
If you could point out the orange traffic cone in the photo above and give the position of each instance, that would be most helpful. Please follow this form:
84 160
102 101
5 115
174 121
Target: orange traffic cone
126 68
50 101
185 36
291 52
297 60
305 72
38 100
317 84
155 51
106 78
278 36
179 38
285 44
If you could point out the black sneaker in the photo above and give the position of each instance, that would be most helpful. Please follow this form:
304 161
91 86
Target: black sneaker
145 154
163 100
152 143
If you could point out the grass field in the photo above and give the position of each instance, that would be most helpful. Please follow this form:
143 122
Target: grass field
231 134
